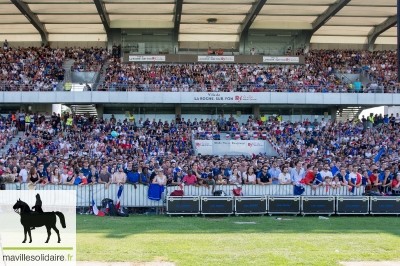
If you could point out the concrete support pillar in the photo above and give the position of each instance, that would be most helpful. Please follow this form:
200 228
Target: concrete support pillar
256 111
178 110
100 110
333 112
56 108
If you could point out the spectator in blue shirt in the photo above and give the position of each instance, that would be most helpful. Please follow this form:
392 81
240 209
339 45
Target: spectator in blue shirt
274 173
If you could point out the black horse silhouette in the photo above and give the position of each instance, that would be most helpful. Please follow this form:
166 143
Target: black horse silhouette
35 219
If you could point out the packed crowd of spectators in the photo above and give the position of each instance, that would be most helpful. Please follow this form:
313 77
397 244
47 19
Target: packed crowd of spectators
87 59
30 69
8 131
83 150
40 69
316 75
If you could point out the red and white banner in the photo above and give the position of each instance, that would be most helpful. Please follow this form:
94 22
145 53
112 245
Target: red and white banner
281 59
215 58
204 146
147 58
218 147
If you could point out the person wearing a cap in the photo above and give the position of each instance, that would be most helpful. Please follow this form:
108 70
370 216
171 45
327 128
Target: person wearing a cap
70 179
160 178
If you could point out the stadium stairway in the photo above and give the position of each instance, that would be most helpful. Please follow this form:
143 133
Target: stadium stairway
349 112
67 75
102 76
84 109
13 141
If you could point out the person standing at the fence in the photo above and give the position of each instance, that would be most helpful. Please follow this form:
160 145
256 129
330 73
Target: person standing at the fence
274 172
297 175
120 177
105 177
263 177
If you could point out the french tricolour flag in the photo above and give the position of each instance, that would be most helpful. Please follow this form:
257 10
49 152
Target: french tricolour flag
108 207
95 210
119 194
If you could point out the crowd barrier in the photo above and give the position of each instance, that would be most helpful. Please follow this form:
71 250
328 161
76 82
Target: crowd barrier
256 199
266 190
131 197
284 205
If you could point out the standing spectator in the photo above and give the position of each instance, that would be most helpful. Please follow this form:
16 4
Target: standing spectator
105 177
120 177
326 172
274 173
23 174
263 177
249 176
284 177
190 178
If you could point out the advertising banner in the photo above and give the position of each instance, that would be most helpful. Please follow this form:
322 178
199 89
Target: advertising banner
204 146
215 58
38 227
281 59
147 58
222 147
226 97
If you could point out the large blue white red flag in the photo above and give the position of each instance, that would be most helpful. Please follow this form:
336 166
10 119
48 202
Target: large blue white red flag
119 194
96 211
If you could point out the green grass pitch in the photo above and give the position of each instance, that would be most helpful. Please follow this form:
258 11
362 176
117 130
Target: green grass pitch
219 241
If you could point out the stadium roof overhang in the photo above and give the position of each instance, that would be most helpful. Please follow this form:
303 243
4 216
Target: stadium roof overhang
327 21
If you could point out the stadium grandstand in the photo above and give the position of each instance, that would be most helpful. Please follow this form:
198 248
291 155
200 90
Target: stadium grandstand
172 91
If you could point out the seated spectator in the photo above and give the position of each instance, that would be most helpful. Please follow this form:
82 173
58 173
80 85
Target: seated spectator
220 52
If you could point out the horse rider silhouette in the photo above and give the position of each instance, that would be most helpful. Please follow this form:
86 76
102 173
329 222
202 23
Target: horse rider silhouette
39 218
38 206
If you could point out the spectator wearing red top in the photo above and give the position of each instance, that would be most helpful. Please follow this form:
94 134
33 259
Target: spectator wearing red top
190 178
374 179
396 184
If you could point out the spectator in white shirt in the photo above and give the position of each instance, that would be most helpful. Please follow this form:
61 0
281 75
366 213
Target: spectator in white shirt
284 177
326 172
23 174
249 176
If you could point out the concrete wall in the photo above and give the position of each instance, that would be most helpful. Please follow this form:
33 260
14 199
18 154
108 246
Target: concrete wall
364 99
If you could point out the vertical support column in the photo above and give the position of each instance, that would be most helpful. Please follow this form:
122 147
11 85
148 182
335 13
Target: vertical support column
256 111
333 112
56 108
178 110
100 110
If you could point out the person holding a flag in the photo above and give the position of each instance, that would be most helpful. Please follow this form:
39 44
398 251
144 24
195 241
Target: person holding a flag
355 179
